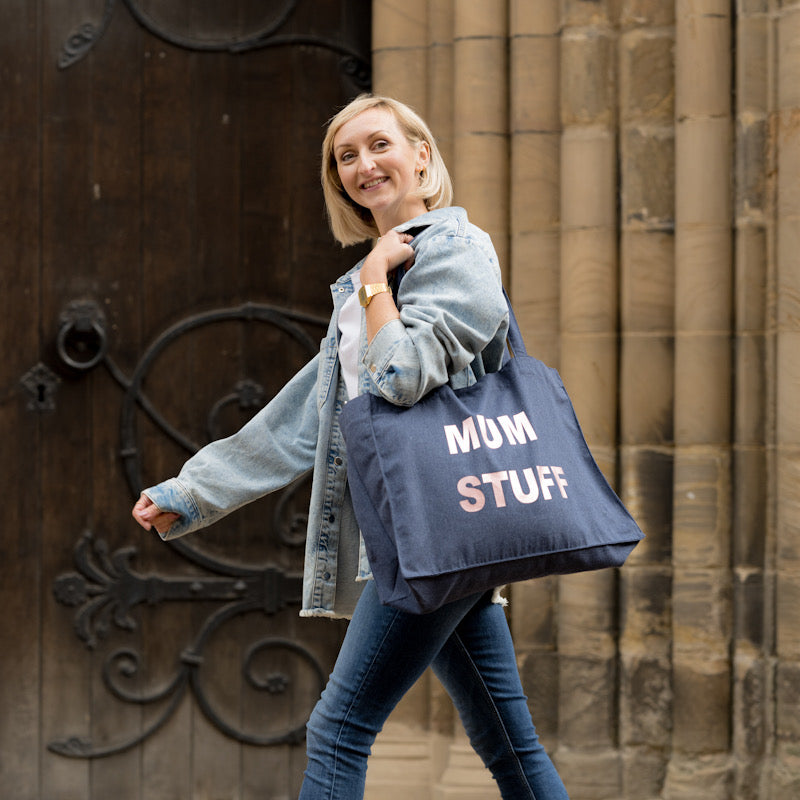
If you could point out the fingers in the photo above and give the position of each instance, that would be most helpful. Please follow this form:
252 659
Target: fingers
407 250
403 237
163 522
392 239
142 511
149 515
143 502
391 250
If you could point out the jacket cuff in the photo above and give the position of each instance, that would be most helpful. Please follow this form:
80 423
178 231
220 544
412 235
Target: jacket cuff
378 359
172 496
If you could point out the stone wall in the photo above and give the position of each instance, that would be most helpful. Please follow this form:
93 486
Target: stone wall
637 163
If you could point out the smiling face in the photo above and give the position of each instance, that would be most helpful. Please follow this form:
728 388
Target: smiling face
379 168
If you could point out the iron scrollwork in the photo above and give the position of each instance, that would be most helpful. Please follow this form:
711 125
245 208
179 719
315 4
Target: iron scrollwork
354 64
105 589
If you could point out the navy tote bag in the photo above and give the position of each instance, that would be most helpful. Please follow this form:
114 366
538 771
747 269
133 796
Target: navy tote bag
473 488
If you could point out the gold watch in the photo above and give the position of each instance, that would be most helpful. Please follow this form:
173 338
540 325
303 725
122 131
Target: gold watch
369 290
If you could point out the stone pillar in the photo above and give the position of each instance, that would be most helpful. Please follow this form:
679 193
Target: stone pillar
480 177
480 116
753 522
439 112
447 59
400 50
535 130
647 255
700 763
412 58
786 778
535 133
587 752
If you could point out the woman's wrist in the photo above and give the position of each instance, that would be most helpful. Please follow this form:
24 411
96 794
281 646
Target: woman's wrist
375 269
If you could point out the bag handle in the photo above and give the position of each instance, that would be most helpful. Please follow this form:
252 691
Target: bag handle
515 345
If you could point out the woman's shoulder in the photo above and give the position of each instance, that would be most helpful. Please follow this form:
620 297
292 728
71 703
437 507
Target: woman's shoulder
465 236
451 221
445 236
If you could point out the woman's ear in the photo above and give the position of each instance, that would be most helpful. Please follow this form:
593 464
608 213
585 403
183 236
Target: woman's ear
423 156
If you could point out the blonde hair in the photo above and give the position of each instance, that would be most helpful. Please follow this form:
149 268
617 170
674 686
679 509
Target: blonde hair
351 223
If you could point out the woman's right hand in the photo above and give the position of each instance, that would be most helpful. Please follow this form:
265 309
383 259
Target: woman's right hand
149 515
391 250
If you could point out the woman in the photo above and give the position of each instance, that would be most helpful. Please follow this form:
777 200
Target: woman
383 177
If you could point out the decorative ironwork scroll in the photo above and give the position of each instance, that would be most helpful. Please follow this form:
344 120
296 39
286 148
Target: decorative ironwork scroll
354 64
105 590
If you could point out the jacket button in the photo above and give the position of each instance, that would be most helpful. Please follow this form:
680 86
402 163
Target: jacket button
332 518
372 368
338 461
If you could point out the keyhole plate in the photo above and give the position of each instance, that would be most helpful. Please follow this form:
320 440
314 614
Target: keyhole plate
41 383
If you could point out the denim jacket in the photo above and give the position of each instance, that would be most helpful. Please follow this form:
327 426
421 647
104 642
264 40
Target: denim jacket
452 328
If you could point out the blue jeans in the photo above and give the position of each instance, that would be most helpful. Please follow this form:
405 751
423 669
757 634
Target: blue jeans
384 652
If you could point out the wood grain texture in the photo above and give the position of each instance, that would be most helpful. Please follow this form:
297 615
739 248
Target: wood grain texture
155 182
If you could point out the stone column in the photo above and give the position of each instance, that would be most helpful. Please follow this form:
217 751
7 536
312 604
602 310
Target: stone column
439 111
456 765
647 255
535 143
786 779
408 754
447 59
400 50
535 128
700 764
480 116
480 177
587 754
753 521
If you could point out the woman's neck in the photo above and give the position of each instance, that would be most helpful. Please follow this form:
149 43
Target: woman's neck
387 221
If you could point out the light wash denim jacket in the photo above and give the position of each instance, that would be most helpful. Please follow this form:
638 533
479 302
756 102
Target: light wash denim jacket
452 328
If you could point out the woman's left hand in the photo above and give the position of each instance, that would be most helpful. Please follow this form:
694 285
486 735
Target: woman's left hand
392 250
149 515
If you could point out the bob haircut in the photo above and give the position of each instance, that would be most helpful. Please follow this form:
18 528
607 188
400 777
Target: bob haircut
352 223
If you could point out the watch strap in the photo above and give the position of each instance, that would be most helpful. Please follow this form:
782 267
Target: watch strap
369 290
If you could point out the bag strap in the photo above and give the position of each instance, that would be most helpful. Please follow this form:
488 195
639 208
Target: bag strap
515 346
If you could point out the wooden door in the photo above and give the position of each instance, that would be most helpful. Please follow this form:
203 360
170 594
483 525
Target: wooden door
164 269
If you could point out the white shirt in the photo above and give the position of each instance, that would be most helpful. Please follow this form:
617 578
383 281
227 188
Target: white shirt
350 334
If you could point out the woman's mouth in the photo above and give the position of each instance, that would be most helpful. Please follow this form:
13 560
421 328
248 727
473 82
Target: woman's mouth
374 182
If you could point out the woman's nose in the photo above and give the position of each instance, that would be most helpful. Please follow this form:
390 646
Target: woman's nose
366 162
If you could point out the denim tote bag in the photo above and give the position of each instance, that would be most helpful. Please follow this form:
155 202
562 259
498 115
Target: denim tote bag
474 488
